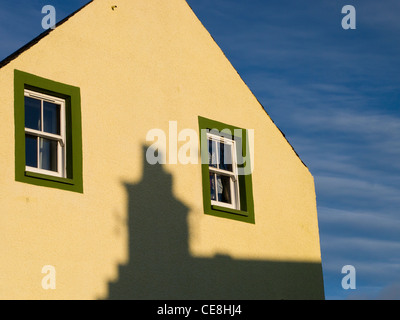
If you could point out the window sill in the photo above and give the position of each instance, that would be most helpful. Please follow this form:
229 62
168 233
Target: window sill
229 210
49 178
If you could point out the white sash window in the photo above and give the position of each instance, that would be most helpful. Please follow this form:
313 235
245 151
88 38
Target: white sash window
45 135
224 182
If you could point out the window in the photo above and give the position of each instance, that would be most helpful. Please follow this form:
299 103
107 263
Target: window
44 134
227 187
222 166
48 142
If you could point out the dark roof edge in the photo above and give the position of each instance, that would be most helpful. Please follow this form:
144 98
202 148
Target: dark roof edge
280 130
284 136
31 43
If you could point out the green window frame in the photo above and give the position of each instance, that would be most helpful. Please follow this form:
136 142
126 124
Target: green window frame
73 180
246 207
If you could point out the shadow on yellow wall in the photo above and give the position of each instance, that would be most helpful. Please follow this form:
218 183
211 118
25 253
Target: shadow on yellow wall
161 267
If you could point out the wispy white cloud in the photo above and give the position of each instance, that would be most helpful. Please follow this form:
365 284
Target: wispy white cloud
385 224
368 240
382 16
361 189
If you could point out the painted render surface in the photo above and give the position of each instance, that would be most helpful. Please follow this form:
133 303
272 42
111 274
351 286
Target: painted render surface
138 67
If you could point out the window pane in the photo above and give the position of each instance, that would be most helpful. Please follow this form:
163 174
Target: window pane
32 113
51 117
48 154
225 157
212 187
224 188
31 151
212 153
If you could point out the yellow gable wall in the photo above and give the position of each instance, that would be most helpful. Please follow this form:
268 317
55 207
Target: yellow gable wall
139 67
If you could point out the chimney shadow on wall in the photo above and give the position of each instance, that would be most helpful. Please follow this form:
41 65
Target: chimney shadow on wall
160 266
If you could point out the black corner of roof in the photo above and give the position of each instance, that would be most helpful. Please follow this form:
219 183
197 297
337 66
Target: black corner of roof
282 133
21 50
31 43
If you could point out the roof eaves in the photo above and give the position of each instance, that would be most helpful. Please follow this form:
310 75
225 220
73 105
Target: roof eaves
31 43
259 102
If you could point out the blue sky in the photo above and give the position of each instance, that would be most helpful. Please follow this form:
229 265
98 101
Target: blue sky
335 94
